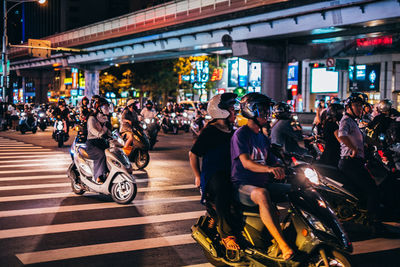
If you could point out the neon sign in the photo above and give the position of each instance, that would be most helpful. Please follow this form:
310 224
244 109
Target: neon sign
377 41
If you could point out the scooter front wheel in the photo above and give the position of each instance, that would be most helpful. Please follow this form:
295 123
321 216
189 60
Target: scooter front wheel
77 188
123 192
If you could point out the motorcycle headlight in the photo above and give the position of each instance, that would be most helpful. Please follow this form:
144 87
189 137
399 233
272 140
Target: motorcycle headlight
41 115
114 114
185 114
23 114
173 115
147 121
60 126
152 120
144 126
207 117
311 175
317 224
381 137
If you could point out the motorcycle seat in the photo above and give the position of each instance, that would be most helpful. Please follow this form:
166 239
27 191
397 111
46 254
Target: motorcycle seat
82 152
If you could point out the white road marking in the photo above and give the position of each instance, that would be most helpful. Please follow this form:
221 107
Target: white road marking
25 150
45 163
15 145
82 226
51 185
33 186
96 206
106 248
374 245
48 160
34 155
63 176
34 170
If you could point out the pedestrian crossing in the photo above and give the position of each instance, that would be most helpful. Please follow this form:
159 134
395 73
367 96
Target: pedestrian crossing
43 221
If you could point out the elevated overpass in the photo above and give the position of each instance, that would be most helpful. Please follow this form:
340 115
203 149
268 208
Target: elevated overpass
269 31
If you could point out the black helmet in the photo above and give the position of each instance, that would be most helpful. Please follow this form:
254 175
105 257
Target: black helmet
335 111
335 100
281 110
356 97
149 102
384 105
255 105
61 102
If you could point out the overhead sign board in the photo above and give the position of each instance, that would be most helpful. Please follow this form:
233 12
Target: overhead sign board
38 48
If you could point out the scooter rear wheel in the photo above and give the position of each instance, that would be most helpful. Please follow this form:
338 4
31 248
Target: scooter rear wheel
142 159
123 192
213 260
335 258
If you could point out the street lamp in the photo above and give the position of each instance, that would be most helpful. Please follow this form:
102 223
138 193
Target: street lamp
4 50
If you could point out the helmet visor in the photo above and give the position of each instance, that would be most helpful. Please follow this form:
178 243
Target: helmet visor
264 111
105 109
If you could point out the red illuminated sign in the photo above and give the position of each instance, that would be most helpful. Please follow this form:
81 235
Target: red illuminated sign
217 74
377 41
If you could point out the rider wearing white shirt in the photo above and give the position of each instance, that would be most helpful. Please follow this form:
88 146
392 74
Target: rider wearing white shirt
148 112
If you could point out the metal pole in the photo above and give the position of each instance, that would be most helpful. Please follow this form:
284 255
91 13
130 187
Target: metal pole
4 51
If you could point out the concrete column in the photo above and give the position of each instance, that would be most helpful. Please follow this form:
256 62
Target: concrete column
91 83
272 80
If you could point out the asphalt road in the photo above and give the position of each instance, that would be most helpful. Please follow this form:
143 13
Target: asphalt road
45 224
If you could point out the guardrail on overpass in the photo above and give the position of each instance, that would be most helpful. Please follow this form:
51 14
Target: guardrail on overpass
167 14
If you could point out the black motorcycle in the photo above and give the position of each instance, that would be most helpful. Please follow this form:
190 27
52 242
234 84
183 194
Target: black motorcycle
310 227
60 132
170 123
27 122
151 128
139 152
42 120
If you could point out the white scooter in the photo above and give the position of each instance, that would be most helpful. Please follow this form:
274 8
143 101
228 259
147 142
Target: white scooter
119 183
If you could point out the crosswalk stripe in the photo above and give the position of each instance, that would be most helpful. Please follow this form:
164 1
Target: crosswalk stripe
45 163
27 149
96 206
65 195
52 160
373 245
20 147
33 186
145 189
15 145
106 248
82 226
34 155
38 170
63 176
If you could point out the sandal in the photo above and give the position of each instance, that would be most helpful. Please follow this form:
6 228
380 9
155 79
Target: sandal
230 243
232 248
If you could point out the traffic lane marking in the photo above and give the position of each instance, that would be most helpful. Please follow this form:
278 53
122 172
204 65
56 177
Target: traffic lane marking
99 224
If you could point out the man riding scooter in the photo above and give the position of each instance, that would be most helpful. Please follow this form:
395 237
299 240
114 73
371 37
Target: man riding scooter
252 169
62 112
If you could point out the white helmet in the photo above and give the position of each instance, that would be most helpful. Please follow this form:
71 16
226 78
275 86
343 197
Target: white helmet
218 106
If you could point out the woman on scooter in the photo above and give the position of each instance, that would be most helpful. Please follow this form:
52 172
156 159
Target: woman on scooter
213 145
96 143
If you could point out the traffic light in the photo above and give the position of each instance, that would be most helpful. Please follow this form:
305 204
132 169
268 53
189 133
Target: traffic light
316 65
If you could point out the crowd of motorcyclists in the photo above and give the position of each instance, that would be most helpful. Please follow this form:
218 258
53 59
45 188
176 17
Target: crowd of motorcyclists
240 167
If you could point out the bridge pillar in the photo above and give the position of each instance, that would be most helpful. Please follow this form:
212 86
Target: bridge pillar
91 83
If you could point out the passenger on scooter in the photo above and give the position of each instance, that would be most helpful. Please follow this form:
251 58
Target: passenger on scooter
96 143
213 145
84 110
283 133
352 160
129 119
334 114
252 166
148 112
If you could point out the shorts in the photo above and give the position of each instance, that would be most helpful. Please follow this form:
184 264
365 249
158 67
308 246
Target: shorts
277 193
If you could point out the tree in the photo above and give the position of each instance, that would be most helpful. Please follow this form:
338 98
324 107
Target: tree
108 83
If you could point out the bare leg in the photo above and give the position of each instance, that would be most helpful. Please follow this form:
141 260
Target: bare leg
129 140
260 196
